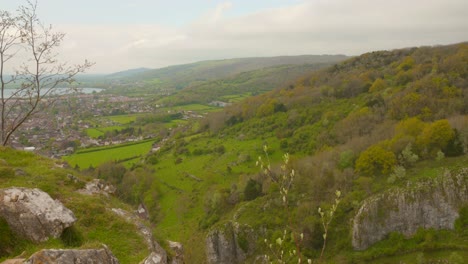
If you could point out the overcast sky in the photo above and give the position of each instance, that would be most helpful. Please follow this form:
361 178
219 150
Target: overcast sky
124 34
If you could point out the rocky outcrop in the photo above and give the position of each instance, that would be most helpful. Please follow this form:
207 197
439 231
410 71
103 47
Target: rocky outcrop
433 203
97 186
33 214
230 244
154 258
178 250
158 254
73 256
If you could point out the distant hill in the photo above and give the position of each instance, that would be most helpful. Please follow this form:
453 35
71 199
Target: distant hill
242 85
181 76
127 73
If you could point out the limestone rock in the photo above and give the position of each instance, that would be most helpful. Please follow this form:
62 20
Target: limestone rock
154 258
33 214
178 249
433 203
97 186
73 256
230 244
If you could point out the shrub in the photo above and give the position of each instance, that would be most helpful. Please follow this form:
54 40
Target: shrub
436 136
252 190
111 171
455 145
375 161
440 155
346 159
407 157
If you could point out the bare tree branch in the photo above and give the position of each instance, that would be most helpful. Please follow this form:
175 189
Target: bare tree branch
35 83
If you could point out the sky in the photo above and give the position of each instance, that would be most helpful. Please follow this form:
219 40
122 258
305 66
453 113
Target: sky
123 34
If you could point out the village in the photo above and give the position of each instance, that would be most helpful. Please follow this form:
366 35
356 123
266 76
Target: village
61 129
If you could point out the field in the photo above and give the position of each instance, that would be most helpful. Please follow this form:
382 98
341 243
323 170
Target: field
97 132
124 119
193 107
183 197
128 153
236 97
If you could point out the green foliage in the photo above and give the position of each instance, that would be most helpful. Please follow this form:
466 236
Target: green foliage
399 172
440 155
436 136
346 160
454 145
407 157
407 64
252 190
111 172
375 161
378 85
461 224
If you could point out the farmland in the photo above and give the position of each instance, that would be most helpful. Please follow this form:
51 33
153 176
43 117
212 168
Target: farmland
126 153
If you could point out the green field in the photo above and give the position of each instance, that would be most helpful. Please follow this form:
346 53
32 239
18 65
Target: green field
97 132
95 156
234 98
124 119
193 107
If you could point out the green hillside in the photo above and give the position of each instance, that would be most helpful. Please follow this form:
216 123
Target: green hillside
96 224
165 81
354 127
291 167
240 86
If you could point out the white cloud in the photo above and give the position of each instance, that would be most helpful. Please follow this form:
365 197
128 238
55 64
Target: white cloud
312 27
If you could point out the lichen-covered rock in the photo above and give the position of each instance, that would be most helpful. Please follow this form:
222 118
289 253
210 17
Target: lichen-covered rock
73 256
230 244
433 203
178 250
97 186
154 258
33 214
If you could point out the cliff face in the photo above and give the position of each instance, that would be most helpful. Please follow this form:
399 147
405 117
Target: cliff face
433 203
230 244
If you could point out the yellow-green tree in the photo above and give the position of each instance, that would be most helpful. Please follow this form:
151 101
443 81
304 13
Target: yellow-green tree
375 160
378 85
435 136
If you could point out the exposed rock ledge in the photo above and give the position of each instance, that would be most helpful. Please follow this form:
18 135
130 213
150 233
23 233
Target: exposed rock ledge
433 203
231 243
73 256
33 214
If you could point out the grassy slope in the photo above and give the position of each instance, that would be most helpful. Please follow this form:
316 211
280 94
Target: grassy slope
96 223
319 107
96 156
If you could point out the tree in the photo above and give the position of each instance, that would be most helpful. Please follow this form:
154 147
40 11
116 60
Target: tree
29 48
436 136
375 161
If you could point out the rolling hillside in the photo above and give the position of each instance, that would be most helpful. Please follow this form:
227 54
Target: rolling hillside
371 123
